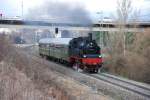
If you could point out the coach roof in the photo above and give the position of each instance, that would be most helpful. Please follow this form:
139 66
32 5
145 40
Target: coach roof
55 41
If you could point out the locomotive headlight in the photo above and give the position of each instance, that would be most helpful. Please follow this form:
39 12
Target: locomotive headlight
100 56
84 56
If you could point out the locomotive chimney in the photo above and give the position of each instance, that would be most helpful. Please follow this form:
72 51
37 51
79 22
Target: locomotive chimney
56 30
90 36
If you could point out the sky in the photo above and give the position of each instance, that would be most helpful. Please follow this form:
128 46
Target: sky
12 8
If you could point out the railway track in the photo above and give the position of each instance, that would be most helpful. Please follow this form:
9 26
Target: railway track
140 89
133 86
124 83
136 87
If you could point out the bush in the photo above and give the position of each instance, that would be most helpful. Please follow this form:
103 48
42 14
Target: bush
135 63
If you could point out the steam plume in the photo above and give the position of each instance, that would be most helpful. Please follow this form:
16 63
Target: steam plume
60 12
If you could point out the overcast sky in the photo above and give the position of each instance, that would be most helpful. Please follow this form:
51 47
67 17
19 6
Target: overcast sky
14 7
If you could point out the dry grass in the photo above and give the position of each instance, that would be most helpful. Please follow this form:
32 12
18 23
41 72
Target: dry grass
4 46
14 85
32 79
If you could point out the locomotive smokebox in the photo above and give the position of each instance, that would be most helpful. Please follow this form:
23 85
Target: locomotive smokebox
90 36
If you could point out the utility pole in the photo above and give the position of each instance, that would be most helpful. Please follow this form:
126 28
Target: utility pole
22 9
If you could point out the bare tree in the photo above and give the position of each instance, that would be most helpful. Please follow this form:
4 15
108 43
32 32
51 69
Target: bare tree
124 9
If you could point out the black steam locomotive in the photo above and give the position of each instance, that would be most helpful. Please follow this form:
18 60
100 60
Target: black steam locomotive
81 53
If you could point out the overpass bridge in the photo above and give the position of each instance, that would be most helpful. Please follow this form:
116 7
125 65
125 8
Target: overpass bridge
105 26
101 28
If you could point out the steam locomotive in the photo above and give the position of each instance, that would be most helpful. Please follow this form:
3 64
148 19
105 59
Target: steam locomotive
81 53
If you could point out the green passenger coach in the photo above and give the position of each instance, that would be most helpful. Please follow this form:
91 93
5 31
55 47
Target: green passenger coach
54 47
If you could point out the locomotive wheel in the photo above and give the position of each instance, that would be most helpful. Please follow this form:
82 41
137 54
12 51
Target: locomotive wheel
99 70
96 70
76 66
85 69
